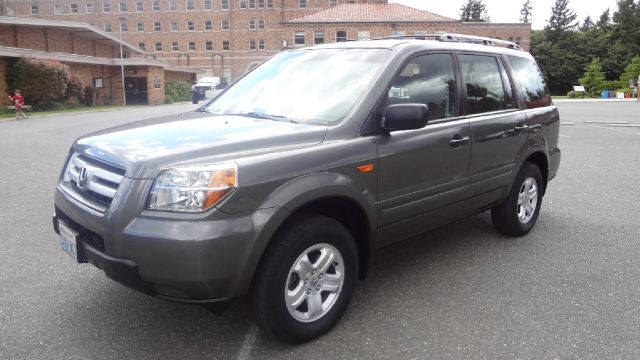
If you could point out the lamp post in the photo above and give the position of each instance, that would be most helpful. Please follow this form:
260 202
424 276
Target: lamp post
124 93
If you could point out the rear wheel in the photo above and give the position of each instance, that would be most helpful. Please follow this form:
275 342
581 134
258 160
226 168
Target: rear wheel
518 213
306 280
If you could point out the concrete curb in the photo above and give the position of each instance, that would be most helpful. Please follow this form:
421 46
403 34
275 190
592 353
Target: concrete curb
592 100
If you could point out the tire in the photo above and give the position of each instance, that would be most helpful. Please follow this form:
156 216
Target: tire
519 212
294 296
194 100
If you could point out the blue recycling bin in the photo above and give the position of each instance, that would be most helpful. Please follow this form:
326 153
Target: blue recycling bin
604 94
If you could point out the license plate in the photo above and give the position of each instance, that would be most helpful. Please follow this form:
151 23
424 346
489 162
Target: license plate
68 239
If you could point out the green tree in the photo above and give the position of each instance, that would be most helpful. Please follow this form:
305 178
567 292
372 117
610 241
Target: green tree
526 12
474 11
631 72
593 79
587 24
562 18
605 20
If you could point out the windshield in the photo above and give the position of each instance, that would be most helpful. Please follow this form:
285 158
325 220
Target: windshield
315 85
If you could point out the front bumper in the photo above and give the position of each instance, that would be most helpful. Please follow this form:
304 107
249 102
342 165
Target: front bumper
195 259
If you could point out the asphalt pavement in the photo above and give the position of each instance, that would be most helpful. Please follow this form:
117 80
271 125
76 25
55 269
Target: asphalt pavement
568 290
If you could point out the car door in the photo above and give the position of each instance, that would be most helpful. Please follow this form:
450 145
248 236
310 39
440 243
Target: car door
423 173
498 127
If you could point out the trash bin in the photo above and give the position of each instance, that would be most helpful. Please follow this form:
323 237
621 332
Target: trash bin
604 94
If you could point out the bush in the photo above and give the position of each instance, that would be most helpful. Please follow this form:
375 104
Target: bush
43 81
577 94
175 91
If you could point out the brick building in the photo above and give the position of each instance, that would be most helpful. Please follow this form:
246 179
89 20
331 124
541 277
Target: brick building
228 37
91 54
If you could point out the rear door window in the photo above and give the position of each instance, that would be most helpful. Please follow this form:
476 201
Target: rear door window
532 85
485 91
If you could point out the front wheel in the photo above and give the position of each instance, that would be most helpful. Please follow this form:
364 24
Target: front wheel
306 279
518 213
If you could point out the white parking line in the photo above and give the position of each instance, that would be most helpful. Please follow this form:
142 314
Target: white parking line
248 343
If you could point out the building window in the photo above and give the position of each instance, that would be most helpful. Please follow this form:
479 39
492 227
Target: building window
175 46
139 6
189 4
298 38
123 26
57 8
420 35
74 8
156 5
341 36
270 4
318 37
123 6
243 4
207 4
174 26
91 8
208 46
303 4
261 4
225 45
252 44
252 4
107 27
158 46
157 82
173 5
363 35
252 24
261 24
142 46
192 46
261 44
191 25
333 2
157 26
225 24
106 7
34 9
224 4
140 27
208 25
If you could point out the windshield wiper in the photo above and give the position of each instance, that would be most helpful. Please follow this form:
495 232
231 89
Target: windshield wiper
259 115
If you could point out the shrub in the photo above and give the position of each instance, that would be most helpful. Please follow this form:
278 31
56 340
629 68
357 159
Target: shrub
177 91
43 81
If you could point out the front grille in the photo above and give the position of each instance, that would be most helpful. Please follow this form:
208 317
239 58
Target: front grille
91 182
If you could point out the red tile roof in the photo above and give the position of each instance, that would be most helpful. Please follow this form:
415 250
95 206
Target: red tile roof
369 13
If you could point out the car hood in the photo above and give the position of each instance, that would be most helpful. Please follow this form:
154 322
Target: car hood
144 148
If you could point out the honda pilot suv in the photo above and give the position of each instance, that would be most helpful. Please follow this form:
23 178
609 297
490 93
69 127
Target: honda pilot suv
281 188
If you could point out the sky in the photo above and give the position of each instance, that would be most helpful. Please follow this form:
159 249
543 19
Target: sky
506 11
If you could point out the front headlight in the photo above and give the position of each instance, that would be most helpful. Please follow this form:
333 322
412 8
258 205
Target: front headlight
192 189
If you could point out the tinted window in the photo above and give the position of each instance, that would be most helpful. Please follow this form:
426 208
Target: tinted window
429 80
532 85
484 85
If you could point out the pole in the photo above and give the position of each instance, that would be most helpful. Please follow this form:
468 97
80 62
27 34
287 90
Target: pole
124 94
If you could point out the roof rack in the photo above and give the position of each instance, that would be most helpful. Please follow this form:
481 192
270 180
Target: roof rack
446 37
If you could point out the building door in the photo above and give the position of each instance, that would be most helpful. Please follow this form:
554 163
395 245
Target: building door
136 90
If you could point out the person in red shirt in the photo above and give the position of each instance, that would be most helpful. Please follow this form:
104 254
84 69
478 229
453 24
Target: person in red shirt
18 101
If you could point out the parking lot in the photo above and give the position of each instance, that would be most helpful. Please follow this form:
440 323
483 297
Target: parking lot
570 289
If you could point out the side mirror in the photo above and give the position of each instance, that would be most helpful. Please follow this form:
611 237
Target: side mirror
408 116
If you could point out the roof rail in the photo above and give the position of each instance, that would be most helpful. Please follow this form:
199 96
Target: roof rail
446 37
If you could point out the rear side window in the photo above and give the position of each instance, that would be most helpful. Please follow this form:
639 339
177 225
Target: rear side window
484 84
532 85
429 80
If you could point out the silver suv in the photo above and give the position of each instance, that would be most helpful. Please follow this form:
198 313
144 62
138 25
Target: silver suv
283 186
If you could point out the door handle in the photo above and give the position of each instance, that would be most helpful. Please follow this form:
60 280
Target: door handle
458 141
522 127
